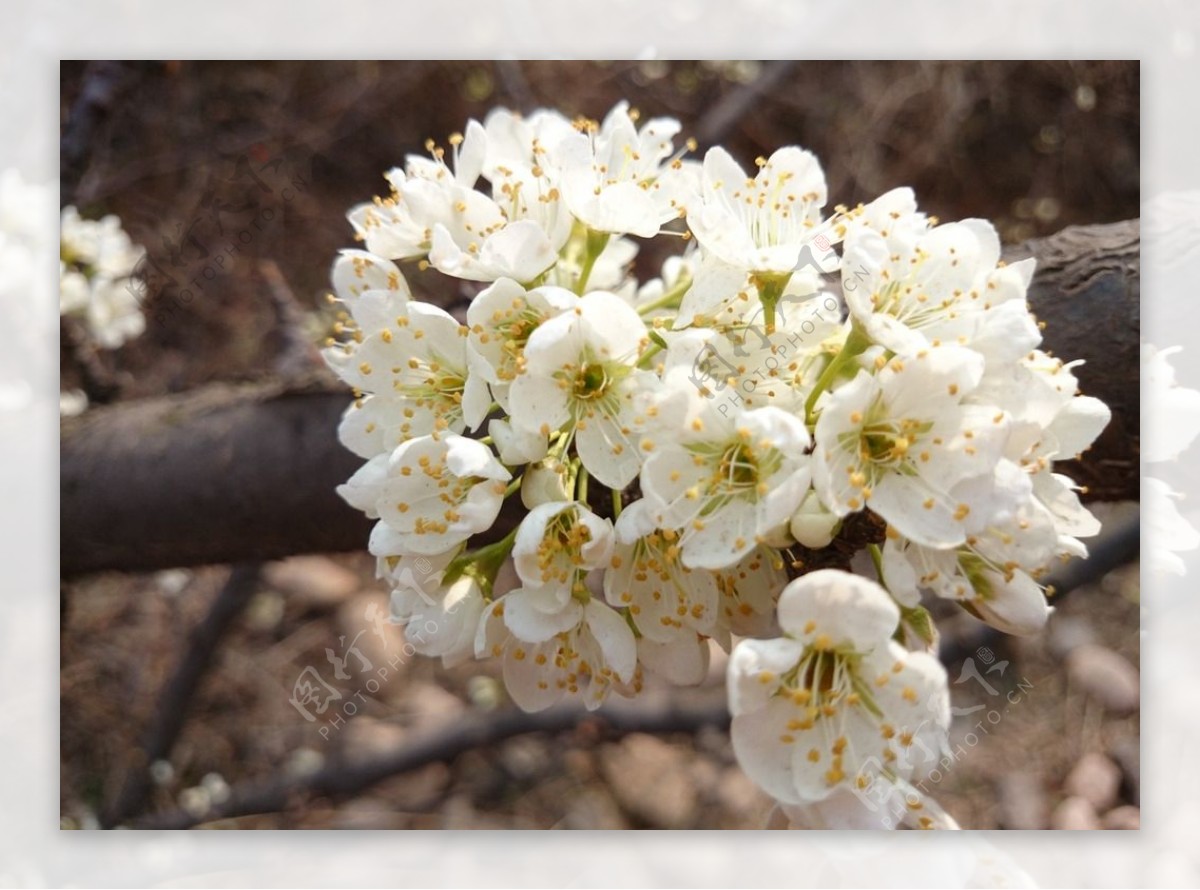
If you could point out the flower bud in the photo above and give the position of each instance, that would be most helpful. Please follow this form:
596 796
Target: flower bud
812 525
544 482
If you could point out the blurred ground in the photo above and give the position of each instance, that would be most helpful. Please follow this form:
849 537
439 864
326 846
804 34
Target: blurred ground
1016 740
250 161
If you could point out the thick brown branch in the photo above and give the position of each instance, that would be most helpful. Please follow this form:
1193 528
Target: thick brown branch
221 474
1087 291
237 473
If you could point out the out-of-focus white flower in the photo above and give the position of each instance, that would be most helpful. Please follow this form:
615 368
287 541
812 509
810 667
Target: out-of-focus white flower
1171 419
71 403
97 265
835 703
1167 532
25 210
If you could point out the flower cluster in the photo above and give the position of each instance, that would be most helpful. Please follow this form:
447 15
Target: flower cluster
97 262
674 451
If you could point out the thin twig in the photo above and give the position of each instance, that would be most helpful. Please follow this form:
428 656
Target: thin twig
732 107
103 83
512 78
97 379
170 711
295 353
443 745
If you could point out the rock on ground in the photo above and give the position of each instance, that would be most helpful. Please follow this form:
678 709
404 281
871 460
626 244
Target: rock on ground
1106 676
652 780
1074 814
1096 779
316 581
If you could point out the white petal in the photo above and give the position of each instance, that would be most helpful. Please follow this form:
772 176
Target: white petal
760 752
607 453
516 446
902 500
533 687
611 326
614 636
1083 418
1017 606
755 669
726 536
468 457
363 490
683 661
844 608
529 623
520 250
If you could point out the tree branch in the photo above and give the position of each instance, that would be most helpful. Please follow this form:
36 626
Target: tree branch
475 731
170 710
226 473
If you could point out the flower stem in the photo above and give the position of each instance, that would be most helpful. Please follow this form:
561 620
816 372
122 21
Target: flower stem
670 298
596 242
856 343
877 559
770 291
483 564
652 350
581 485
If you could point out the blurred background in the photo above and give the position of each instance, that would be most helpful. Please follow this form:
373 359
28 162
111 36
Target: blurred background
195 159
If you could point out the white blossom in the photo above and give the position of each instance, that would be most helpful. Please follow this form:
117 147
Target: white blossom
910 291
96 281
724 483
500 320
835 703
904 440
414 376
619 178
596 654
580 375
432 492
759 223
733 411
